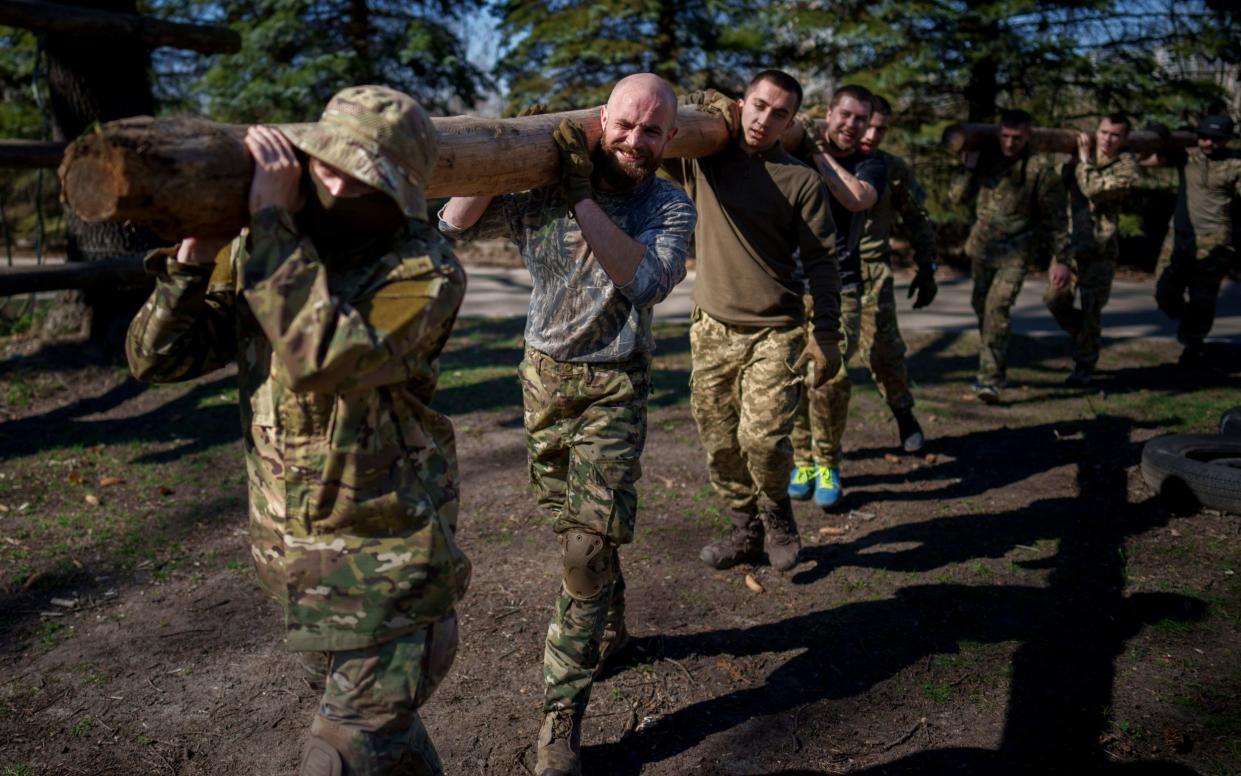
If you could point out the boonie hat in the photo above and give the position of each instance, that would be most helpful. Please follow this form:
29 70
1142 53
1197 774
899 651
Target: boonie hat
378 135
1218 127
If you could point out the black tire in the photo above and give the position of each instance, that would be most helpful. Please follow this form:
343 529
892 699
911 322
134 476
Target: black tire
1203 467
1230 422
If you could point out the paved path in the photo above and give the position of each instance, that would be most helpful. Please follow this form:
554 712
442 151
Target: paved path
1130 313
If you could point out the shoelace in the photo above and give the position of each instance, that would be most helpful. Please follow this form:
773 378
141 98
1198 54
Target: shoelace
804 474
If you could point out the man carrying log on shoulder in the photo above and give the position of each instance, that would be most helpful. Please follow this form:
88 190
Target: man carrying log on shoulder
1021 200
1200 246
602 249
850 161
759 209
1098 184
335 303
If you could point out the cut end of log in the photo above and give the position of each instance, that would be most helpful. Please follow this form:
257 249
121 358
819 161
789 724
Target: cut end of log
90 184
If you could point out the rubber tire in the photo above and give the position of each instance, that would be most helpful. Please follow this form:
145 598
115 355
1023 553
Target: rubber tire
1206 467
1230 422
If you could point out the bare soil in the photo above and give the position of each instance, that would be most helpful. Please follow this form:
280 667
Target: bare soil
1012 600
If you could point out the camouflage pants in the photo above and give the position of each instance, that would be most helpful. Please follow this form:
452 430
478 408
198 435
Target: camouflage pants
1188 289
997 282
585 430
868 323
1084 325
744 395
371 696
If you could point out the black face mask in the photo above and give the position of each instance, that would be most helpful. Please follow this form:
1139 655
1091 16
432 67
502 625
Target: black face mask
348 230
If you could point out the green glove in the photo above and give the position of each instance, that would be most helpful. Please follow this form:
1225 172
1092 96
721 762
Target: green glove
533 109
575 164
812 140
924 286
717 104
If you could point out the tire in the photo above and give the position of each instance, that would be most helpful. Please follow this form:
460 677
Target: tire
1205 468
1230 422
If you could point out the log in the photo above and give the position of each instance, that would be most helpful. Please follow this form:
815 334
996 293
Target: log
30 154
970 137
74 21
191 176
112 272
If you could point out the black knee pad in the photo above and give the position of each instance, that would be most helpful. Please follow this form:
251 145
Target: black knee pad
588 567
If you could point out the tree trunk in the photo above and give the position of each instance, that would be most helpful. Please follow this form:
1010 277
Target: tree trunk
94 79
191 177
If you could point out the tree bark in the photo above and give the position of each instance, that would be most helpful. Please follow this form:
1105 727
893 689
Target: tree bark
74 22
184 177
969 137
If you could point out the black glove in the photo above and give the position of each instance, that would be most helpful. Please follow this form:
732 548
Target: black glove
924 287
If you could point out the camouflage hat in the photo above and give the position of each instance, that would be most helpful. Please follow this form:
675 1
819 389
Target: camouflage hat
378 135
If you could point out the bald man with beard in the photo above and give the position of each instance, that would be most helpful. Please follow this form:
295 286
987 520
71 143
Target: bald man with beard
603 248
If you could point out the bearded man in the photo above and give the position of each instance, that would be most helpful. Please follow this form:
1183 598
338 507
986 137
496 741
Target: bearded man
603 248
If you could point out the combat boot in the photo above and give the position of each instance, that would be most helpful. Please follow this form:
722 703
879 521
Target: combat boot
560 741
909 430
1079 377
743 545
783 542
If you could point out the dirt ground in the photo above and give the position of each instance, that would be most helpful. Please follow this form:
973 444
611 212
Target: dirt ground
1012 600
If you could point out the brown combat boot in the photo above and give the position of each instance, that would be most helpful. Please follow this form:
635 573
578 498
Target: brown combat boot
560 741
743 545
783 542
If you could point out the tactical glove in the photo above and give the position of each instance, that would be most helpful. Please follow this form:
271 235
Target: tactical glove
924 287
575 164
717 104
533 109
812 140
826 359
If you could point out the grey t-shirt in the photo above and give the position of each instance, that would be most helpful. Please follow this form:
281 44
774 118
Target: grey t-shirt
576 312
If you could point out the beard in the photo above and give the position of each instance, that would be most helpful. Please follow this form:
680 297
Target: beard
620 174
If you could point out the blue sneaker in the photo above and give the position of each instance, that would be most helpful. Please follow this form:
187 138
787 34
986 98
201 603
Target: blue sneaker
827 490
802 482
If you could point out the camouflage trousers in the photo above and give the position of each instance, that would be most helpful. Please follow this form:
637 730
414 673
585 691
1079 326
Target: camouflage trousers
997 282
744 395
1188 289
1093 285
369 708
868 323
585 430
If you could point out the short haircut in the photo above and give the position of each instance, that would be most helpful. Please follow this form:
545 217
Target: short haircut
879 104
1015 118
859 93
781 80
1120 117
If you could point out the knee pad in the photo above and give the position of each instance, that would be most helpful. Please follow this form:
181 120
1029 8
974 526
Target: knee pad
319 758
587 564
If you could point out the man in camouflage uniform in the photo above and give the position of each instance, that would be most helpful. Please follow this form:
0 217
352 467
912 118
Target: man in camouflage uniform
1098 185
335 303
602 249
1199 248
759 210
868 314
1021 200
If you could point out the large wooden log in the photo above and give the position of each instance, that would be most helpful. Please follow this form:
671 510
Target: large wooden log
72 21
30 154
970 137
191 176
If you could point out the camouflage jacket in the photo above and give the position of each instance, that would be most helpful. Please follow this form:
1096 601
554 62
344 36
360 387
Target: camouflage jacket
353 477
1096 194
1020 201
1207 188
902 198
577 313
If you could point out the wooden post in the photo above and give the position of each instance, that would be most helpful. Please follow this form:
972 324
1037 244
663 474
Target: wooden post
970 137
76 22
30 154
112 273
191 176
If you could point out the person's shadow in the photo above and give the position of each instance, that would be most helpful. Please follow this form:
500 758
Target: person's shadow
1071 631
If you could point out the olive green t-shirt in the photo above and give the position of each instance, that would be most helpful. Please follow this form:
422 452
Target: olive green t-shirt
757 215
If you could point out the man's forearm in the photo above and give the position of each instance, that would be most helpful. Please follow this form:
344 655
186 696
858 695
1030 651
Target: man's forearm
618 253
464 212
854 194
